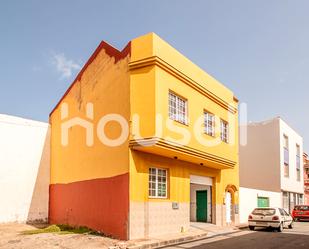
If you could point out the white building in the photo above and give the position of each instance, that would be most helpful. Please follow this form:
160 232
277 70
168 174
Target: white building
271 172
24 170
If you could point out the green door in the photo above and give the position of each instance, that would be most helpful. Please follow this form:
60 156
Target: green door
201 205
263 202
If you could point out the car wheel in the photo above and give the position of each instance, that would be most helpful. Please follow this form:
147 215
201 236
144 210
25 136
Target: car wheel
251 228
280 228
291 225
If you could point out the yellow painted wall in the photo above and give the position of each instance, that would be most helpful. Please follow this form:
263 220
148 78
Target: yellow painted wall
178 178
147 52
106 85
148 104
197 103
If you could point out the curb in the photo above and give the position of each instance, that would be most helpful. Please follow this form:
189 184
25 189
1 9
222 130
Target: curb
190 238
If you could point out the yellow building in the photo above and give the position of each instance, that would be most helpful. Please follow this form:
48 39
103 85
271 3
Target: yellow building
143 143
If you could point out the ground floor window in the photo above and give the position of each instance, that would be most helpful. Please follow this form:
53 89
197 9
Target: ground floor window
157 183
285 201
262 202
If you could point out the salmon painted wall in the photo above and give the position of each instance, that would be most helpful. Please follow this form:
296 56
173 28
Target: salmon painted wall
90 184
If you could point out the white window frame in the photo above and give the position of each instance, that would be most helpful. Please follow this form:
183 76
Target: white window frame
209 123
175 112
156 195
224 131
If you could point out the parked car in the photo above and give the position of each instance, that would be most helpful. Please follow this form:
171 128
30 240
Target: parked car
276 218
300 212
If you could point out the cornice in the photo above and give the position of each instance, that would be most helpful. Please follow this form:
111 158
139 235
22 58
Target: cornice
157 61
159 142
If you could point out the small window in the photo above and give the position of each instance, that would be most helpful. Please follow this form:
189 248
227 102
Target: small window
157 183
286 155
177 108
298 162
209 123
224 129
263 202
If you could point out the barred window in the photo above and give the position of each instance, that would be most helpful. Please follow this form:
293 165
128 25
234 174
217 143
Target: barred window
209 123
177 108
224 128
157 183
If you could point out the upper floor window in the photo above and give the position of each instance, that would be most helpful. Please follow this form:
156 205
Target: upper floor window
286 155
224 129
178 108
209 123
298 162
157 183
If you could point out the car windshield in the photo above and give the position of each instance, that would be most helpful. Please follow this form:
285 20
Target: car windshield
301 208
264 211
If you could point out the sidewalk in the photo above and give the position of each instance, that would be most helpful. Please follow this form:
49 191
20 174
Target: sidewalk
196 231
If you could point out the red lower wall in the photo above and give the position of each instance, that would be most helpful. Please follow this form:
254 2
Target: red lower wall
100 204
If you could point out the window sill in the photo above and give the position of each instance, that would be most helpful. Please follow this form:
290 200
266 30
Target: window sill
157 198
209 135
226 142
178 122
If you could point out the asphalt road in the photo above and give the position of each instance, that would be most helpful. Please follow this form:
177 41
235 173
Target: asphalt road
297 238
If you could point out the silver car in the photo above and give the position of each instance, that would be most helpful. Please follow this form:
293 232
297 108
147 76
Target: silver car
276 218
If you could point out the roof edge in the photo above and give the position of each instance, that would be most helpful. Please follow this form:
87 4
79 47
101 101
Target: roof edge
110 50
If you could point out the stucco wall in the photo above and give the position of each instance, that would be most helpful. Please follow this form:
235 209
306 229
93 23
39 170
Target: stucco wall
248 201
24 170
259 158
290 183
90 182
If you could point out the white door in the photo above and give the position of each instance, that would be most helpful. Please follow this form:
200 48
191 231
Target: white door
228 207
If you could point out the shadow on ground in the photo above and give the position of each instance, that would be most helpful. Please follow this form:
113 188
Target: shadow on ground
265 239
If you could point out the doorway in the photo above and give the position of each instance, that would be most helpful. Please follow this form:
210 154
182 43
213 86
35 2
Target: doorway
228 207
200 199
201 206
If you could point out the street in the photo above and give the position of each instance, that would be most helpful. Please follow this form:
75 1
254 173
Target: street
298 237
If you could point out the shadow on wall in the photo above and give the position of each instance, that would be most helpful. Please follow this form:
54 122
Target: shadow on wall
38 210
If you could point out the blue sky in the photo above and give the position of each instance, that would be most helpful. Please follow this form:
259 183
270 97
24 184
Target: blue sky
259 49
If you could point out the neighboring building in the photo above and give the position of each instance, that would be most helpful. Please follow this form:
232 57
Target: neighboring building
153 181
24 170
270 167
306 179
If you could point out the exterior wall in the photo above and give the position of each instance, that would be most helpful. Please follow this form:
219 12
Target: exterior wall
248 201
261 157
90 184
262 164
24 171
290 184
142 207
155 69
152 101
